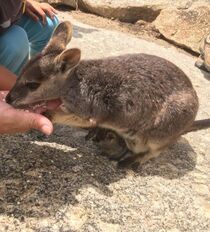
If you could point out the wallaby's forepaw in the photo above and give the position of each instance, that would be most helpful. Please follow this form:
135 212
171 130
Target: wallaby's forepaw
133 160
128 161
118 156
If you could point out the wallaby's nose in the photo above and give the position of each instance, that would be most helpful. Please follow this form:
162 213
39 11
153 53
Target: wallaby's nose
8 99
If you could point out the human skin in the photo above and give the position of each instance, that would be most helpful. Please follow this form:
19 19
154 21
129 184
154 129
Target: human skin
37 10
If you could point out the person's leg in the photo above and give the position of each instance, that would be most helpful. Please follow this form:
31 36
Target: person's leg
14 49
38 34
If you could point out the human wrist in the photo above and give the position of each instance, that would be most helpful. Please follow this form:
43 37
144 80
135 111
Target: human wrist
7 78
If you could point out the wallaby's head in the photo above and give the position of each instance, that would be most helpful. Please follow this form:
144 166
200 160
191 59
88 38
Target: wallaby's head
44 77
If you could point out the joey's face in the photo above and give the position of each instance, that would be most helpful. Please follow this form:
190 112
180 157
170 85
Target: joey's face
43 78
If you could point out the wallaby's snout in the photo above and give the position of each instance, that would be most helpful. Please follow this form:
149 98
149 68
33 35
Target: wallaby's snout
15 95
9 99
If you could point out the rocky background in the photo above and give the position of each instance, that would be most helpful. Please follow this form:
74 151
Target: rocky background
61 183
182 22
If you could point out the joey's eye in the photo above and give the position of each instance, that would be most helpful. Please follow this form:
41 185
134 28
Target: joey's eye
111 136
32 85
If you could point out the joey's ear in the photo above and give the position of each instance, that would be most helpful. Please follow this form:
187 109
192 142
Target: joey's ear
68 59
60 38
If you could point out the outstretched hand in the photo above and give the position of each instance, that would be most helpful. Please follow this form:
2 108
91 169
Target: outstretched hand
37 10
14 121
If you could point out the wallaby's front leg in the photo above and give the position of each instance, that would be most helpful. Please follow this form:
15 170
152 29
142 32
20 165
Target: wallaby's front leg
70 119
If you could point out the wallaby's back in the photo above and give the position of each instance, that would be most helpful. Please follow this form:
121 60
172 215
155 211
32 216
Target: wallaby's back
132 91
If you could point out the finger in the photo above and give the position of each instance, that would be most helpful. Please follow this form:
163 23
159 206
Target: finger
42 15
39 13
32 15
3 95
50 13
54 10
34 121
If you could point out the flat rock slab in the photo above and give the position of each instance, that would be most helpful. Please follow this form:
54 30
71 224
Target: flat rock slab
183 23
61 183
126 10
185 27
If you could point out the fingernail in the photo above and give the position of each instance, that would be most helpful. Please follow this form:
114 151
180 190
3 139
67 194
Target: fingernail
46 129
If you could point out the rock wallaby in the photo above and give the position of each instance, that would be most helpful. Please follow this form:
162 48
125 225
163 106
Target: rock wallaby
146 100
203 62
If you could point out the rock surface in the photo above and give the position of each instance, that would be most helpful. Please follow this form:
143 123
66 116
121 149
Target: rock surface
185 27
60 183
182 22
71 3
124 10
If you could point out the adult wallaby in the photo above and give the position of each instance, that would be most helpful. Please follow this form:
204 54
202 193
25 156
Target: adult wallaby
203 61
145 99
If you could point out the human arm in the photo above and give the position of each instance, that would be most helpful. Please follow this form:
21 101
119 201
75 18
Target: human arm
7 79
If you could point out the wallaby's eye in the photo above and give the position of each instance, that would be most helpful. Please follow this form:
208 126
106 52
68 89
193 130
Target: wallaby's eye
32 85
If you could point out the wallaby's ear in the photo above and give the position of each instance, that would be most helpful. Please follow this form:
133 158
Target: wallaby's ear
60 38
68 59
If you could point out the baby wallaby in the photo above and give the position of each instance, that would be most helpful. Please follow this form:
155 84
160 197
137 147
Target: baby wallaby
145 99
110 143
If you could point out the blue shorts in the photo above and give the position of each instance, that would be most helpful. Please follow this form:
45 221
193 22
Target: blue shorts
23 40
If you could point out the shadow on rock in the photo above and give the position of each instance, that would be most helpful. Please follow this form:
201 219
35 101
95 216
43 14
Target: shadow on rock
175 162
37 178
39 175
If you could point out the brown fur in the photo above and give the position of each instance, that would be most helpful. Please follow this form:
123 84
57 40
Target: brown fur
146 100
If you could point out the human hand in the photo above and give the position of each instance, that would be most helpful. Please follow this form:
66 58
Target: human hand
14 121
38 10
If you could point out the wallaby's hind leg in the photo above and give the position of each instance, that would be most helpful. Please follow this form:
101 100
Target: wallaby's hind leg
143 151
150 155
139 148
132 159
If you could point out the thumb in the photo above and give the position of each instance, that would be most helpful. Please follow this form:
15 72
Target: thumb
36 121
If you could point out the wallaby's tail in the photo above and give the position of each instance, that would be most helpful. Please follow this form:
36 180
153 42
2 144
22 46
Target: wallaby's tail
199 125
